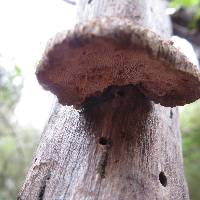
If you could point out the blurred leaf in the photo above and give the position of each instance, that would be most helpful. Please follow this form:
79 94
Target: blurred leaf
184 3
18 71
7 145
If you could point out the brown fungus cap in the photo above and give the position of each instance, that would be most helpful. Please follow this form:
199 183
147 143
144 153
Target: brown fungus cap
114 52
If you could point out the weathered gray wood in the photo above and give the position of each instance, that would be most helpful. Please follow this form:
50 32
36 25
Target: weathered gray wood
123 147
147 13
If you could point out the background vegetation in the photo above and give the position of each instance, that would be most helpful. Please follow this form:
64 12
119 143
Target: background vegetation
16 143
190 127
186 23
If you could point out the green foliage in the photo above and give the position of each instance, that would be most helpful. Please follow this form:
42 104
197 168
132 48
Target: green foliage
11 83
190 127
18 71
193 5
15 158
7 147
184 3
16 143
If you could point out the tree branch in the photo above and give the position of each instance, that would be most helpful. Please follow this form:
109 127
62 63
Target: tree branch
70 2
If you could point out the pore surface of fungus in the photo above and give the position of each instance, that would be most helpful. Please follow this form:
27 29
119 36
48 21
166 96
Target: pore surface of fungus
111 51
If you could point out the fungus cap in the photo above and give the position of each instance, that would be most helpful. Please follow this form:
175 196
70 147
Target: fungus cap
112 51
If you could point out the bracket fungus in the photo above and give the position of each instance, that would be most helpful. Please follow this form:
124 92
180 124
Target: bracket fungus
112 51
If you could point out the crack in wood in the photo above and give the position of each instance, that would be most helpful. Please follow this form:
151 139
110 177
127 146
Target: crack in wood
101 169
171 114
71 176
43 186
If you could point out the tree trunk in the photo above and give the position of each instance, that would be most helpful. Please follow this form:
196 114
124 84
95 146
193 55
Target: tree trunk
124 148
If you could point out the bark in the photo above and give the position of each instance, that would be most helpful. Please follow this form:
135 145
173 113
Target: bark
122 146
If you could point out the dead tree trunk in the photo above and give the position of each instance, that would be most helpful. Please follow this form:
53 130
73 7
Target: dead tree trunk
125 147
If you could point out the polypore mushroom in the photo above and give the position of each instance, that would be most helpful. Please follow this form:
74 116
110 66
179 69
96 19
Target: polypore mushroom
111 51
